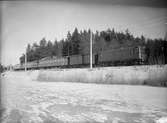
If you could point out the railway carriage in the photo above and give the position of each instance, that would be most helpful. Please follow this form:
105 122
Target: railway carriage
32 65
75 60
86 59
122 56
46 62
53 62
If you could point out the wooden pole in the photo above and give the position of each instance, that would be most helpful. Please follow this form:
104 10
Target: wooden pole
90 50
25 65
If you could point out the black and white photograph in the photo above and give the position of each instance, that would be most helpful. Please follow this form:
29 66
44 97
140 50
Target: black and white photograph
83 61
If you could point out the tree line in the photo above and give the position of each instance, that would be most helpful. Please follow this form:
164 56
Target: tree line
78 42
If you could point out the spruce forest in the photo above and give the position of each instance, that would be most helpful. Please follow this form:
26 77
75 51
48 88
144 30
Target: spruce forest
78 42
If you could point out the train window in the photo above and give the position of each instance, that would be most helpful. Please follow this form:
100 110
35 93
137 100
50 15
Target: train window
135 49
131 52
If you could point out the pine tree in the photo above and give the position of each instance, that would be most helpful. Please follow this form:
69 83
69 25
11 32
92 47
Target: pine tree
75 42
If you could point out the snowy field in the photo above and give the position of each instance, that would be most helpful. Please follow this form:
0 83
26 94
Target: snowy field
154 75
27 101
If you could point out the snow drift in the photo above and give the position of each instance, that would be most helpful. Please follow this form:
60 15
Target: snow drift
155 75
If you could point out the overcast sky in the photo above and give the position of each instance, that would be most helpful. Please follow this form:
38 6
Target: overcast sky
28 22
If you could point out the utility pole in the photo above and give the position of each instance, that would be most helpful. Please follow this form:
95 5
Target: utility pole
25 65
165 49
90 50
165 31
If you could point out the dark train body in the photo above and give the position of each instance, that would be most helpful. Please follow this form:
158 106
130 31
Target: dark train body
120 56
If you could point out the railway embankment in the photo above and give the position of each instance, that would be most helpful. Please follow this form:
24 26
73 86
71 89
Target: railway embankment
154 75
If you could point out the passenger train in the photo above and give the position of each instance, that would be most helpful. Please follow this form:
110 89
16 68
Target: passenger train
113 57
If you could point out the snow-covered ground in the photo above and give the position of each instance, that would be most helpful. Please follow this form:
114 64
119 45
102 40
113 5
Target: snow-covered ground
27 101
134 75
